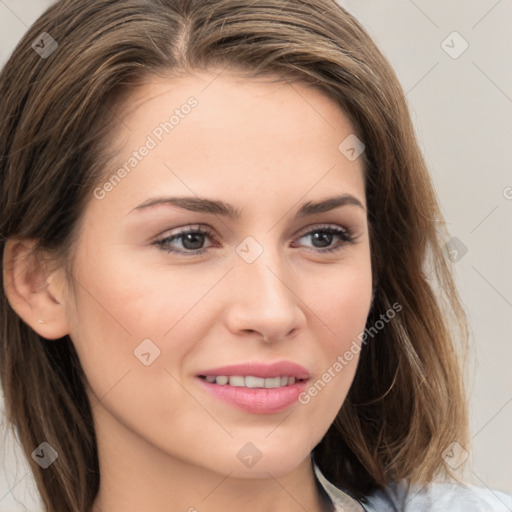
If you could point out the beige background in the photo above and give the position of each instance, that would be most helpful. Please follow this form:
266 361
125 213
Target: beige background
462 109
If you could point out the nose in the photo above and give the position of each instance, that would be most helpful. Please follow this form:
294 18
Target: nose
264 300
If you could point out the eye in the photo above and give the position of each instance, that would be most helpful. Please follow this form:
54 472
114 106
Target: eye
191 240
323 237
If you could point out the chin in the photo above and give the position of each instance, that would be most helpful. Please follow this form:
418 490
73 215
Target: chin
264 457
272 466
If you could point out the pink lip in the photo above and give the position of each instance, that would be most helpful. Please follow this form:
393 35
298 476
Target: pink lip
258 400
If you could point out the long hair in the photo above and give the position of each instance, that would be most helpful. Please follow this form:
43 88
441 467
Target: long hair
407 403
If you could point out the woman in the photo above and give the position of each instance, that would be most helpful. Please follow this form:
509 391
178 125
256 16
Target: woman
224 283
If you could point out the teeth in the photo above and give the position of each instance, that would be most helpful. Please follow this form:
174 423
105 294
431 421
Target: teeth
237 381
254 382
221 380
251 382
273 382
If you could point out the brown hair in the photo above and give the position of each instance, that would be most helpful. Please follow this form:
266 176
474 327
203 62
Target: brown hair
407 403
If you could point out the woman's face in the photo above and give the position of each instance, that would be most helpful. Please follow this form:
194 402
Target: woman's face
271 289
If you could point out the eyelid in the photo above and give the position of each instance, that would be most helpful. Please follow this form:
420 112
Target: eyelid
335 229
317 227
210 231
179 232
347 234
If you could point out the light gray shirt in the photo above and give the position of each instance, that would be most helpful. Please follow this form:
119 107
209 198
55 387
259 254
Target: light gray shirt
437 497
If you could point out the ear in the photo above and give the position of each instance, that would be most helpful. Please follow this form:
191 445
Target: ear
33 291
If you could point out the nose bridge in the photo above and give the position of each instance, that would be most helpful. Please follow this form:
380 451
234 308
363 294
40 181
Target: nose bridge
264 299
264 269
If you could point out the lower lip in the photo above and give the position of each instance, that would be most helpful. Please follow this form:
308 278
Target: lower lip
256 400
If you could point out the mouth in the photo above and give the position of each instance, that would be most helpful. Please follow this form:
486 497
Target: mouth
257 388
250 381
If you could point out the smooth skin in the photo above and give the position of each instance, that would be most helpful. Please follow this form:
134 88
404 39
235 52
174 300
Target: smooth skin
266 149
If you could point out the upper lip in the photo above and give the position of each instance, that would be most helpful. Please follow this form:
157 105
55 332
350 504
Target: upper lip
263 370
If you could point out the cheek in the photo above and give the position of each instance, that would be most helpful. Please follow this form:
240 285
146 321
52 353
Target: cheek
133 322
342 304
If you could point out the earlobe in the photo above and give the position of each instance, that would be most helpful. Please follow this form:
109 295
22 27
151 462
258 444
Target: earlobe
27 287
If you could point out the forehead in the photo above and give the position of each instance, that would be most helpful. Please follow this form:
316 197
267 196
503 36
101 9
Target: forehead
217 85
219 134
247 110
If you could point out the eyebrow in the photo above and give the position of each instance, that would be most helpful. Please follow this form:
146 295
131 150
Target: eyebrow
204 205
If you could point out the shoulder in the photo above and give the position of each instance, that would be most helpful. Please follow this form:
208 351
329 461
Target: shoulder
438 497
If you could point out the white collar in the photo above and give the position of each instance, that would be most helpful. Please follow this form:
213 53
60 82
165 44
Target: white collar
342 502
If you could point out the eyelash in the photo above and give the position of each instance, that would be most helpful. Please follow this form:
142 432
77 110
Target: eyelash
343 233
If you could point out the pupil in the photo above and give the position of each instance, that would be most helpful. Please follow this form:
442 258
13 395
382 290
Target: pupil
196 240
325 236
